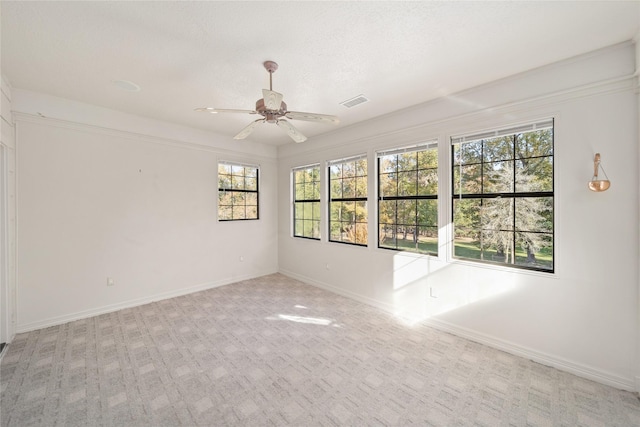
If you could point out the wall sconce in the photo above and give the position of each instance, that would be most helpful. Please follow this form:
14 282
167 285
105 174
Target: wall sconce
596 184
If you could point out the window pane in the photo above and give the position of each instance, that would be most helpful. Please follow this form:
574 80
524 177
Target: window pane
406 212
387 236
251 184
534 174
387 211
428 159
388 185
348 187
467 179
361 234
336 188
496 149
497 214
534 214
224 181
388 164
428 182
361 186
534 144
428 212
299 191
251 199
407 183
239 212
237 182
428 239
408 161
467 153
466 216
497 246
335 171
361 212
535 250
335 231
252 212
498 177
224 212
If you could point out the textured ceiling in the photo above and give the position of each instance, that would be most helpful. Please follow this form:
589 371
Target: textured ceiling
185 55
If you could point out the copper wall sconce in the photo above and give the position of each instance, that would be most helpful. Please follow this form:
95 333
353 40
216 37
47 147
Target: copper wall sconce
598 185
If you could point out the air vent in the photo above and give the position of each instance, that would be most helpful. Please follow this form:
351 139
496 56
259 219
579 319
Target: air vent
360 99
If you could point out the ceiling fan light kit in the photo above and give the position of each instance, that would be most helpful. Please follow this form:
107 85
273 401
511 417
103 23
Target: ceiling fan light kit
274 110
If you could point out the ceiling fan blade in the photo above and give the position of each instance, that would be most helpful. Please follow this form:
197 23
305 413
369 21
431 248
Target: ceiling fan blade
272 100
224 110
247 130
312 117
291 131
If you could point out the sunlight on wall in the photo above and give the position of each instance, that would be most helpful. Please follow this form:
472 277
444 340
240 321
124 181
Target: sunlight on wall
425 287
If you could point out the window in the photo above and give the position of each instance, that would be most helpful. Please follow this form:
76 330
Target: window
408 199
237 191
348 200
306 202
503 196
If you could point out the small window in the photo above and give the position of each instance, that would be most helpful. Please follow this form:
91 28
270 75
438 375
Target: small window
348 200
503 196
408 199
306 202
237 192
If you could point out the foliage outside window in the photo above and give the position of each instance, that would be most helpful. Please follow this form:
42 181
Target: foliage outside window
348 200
237 192
503 196
306 202
408 199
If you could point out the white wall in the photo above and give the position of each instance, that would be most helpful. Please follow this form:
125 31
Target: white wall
106 194
582 318
7 217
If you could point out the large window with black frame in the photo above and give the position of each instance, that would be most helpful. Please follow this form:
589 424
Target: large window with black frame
502 207
408 198
348 200
306 201
237 191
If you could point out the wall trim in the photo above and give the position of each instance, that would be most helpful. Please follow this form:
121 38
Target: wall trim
138 137
59 320
578 369
609 86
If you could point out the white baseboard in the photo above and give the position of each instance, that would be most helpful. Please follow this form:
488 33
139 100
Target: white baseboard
58 320
584 371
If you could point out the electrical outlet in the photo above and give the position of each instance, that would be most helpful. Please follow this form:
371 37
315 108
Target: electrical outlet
110 281
241 259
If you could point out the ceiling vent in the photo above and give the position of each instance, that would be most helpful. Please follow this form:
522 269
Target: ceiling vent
360 99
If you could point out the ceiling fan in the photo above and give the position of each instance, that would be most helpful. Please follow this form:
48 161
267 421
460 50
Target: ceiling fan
274 110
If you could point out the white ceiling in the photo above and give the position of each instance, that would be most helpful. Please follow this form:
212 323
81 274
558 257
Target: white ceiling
192 54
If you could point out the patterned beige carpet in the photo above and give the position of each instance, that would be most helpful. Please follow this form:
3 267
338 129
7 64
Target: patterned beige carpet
273 351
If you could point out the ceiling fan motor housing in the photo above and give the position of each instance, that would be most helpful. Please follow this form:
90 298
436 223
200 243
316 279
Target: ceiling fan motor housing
271 116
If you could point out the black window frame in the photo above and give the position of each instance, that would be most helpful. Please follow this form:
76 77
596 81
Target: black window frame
417 148
513 196
354 199
304 202
239 190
